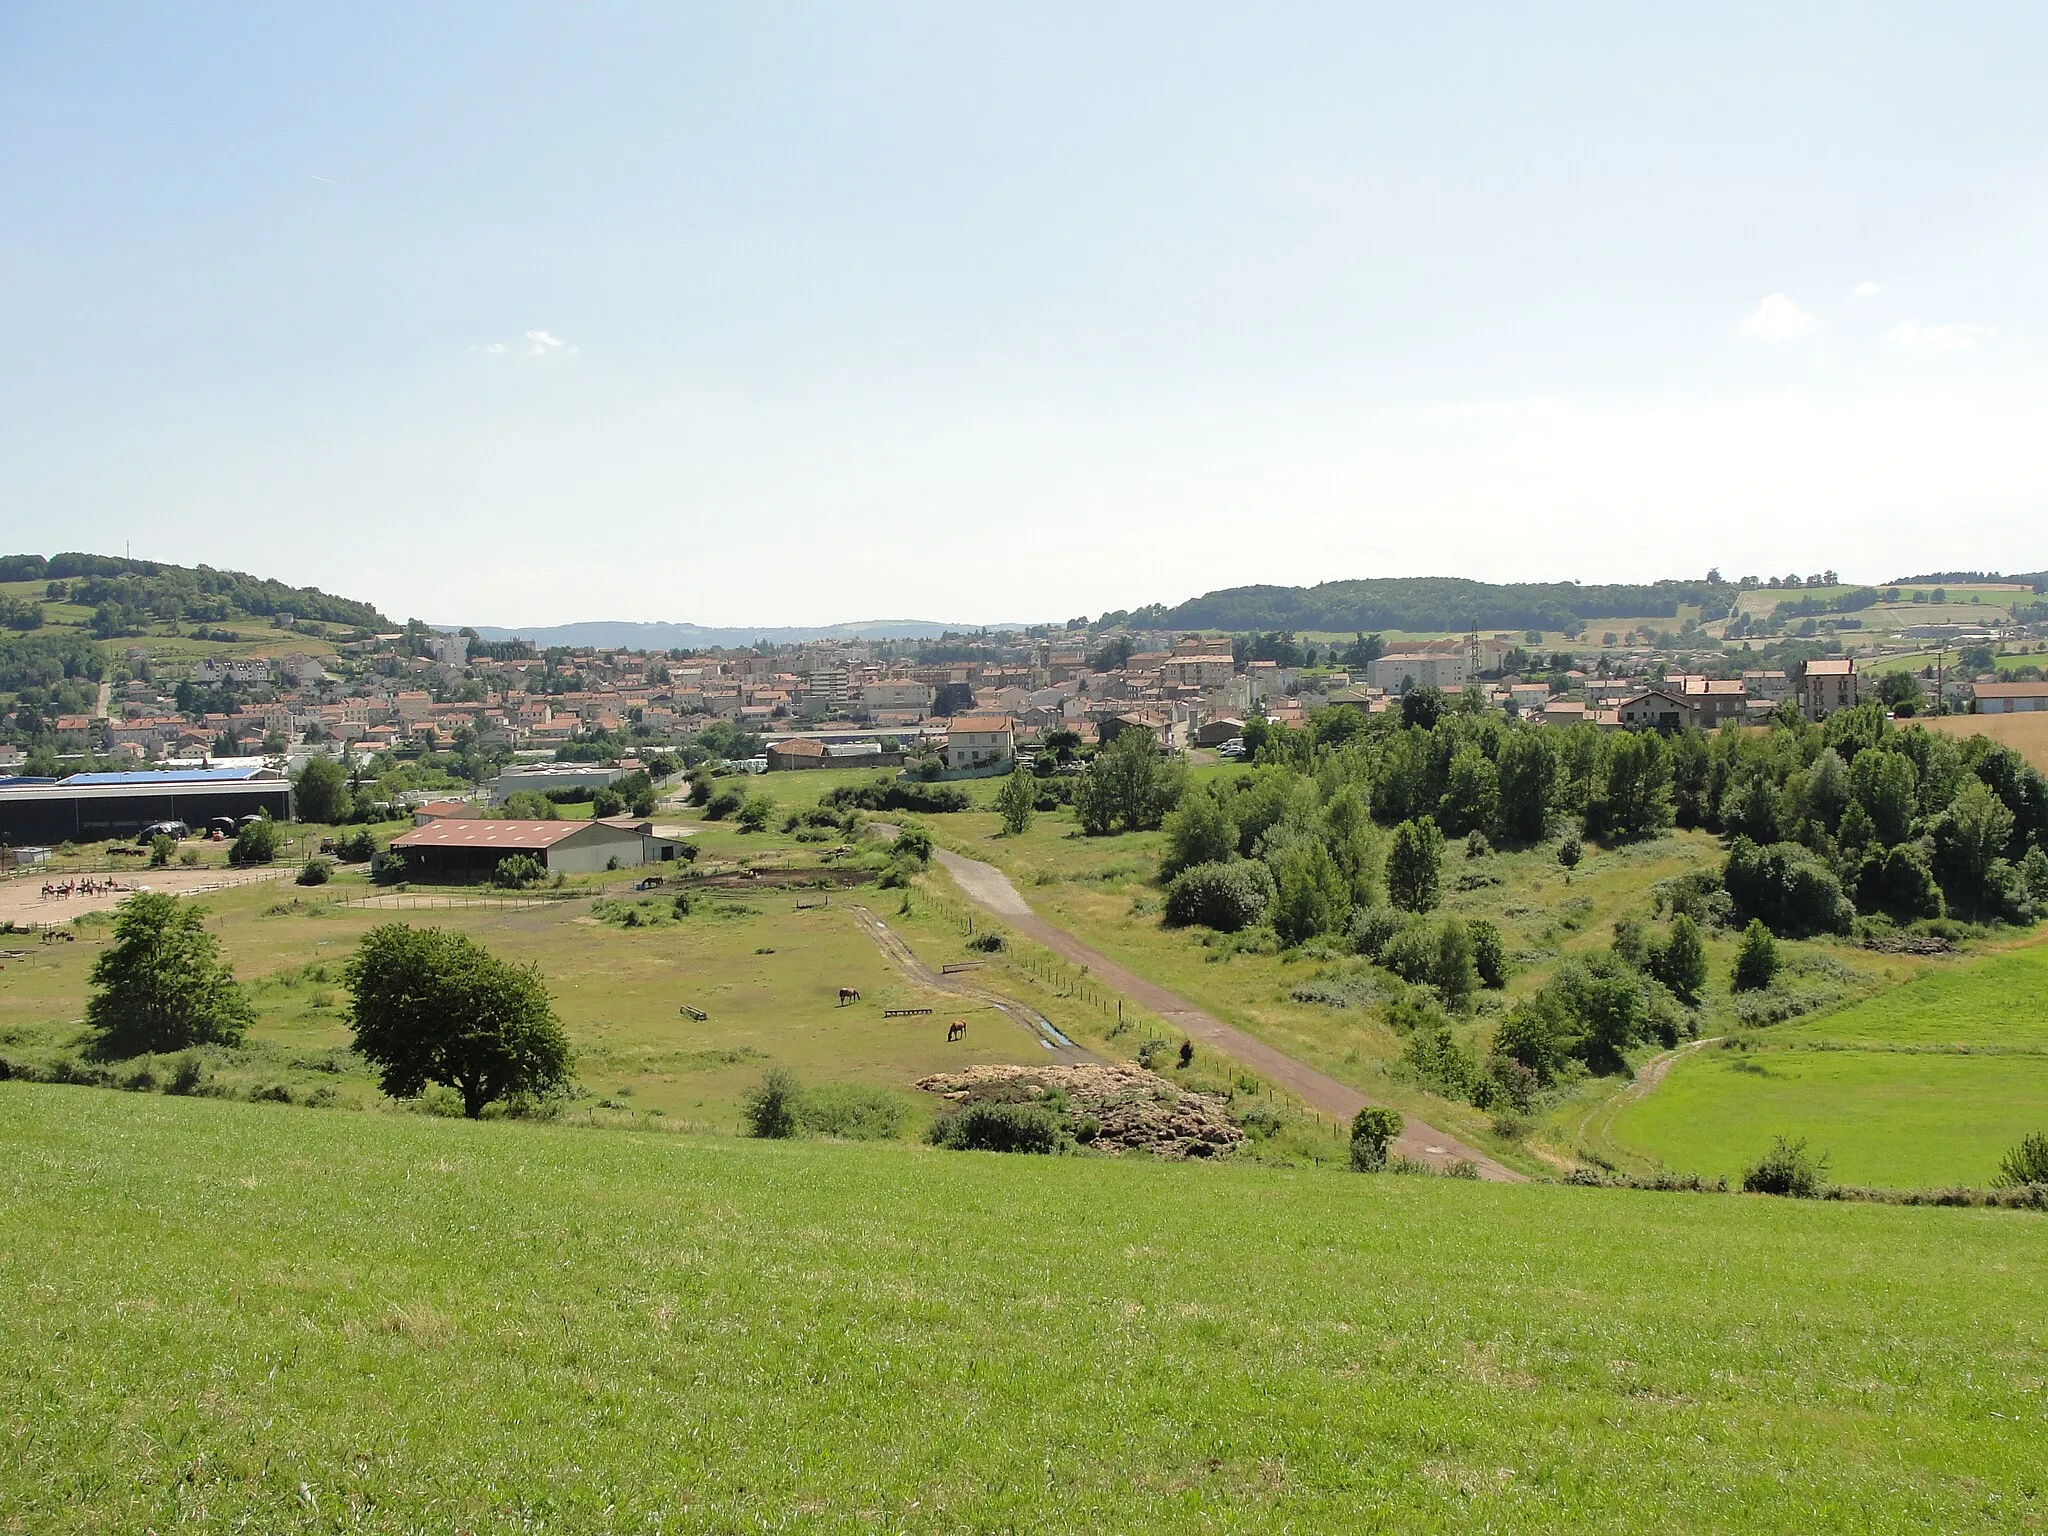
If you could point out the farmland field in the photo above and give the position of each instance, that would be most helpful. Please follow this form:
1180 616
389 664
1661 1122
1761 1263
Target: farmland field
1925 1085
258 1317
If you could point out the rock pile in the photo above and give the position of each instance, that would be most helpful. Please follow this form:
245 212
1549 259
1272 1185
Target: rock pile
1134 1110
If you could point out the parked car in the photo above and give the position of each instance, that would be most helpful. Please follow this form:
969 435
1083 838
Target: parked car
177 831
222 826
1232 748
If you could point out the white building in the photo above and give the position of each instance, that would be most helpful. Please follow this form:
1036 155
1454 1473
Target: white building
1423 669
980 743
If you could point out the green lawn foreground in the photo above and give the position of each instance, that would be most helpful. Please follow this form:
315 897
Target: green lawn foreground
242 1316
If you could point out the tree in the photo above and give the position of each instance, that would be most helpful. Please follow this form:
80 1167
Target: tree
1348 834
1454 975
1636 798
1970 839
1311 895
1415 865
755 812
1756 962
435 1006
1680 962
1201 830
256 843
162 849
2025 1164
1017 800
1471 796
323 792
1422 708
1125 784
161 985
1373 1130
1489 954
1901 693
1885 785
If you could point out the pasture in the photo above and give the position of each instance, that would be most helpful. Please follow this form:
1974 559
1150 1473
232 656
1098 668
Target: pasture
254 1317
1922 1086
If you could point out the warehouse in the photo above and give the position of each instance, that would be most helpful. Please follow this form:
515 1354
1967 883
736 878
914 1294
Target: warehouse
91 807
469 848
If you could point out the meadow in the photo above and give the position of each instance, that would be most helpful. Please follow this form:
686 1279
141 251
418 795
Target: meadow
1922 1086
244 1316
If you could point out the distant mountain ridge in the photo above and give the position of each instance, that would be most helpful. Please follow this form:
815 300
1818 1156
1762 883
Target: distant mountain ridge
1431 603
627 635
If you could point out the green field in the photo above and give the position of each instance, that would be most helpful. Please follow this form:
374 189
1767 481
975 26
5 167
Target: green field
1926 1085
254 1317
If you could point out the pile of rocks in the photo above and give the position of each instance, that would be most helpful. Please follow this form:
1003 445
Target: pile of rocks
1133 1110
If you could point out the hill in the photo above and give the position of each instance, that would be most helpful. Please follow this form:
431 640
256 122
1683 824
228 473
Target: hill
1434 603
130 592
629 635
255 1316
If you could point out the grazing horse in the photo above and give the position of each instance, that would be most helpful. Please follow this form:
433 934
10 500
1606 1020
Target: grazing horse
848 995
957 1030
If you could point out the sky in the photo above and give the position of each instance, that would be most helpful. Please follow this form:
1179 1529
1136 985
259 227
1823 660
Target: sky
528 314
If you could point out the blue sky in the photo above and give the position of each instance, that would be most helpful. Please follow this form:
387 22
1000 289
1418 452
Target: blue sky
528 314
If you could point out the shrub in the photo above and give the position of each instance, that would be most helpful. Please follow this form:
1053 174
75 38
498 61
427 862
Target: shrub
2026 1163
1787 1169
1453 973
1476 845
188 1074
1411 954
1788 887
1680 962
1224 896
1373 1129
1570 851
161 848
1756 963
257 843
853 1112
517 871
772 1108
755 813
1373 928
723 804
888 794
913 845
1000 1128
1489 954
356 848
316 872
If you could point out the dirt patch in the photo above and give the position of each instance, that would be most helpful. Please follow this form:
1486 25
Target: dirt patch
1138 1111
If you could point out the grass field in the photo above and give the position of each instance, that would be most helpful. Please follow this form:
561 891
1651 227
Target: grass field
1925 1085
253 1317
2026 734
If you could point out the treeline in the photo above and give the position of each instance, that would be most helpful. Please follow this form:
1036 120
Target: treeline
176 593
42 660
1435 603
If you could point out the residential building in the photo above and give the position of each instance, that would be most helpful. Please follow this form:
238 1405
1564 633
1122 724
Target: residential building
1421 669
980 743
1711 701
1827 684
1654 709
898 698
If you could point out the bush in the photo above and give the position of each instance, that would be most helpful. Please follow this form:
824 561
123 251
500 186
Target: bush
1788 887
1227 897
772 1108
188 1074
1476 845
1756 963
852 1112
257 843
1373 1129
1680 962
316 872
723 804
1787 1169
356 848
755 813
517 871
1411 954
1489 954
1000 1128
2026 1163
161 849
1374 928
888 794
913 845
1570 851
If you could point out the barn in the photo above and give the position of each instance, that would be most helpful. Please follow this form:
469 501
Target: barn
470 848
90 807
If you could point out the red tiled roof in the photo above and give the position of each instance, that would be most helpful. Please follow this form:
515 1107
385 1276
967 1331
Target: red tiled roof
466 832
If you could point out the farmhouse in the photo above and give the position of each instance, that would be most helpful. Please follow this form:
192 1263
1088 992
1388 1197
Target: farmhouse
980 742
466 848
1654 709
796 752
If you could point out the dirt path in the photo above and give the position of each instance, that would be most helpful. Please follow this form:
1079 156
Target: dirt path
900 955
1653 1072
989 887
22 899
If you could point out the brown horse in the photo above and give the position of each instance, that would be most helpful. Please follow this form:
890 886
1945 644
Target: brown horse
848 995
956 1031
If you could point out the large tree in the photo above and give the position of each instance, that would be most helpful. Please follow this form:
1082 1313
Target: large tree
1415 865
432 1006
323 793
161 985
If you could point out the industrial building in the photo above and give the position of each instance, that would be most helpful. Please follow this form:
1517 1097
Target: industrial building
543 777
470 848
91 807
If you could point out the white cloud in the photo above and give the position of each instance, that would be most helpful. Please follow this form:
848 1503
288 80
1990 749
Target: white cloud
1777 318
541 344
1937 338
1866 290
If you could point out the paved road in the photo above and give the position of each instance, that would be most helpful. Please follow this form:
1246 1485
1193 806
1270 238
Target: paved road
989 887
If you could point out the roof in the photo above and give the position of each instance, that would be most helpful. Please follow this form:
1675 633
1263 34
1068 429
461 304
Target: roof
165 776
2012 690
797 746
993 723
465 832
1652 693
1830 666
